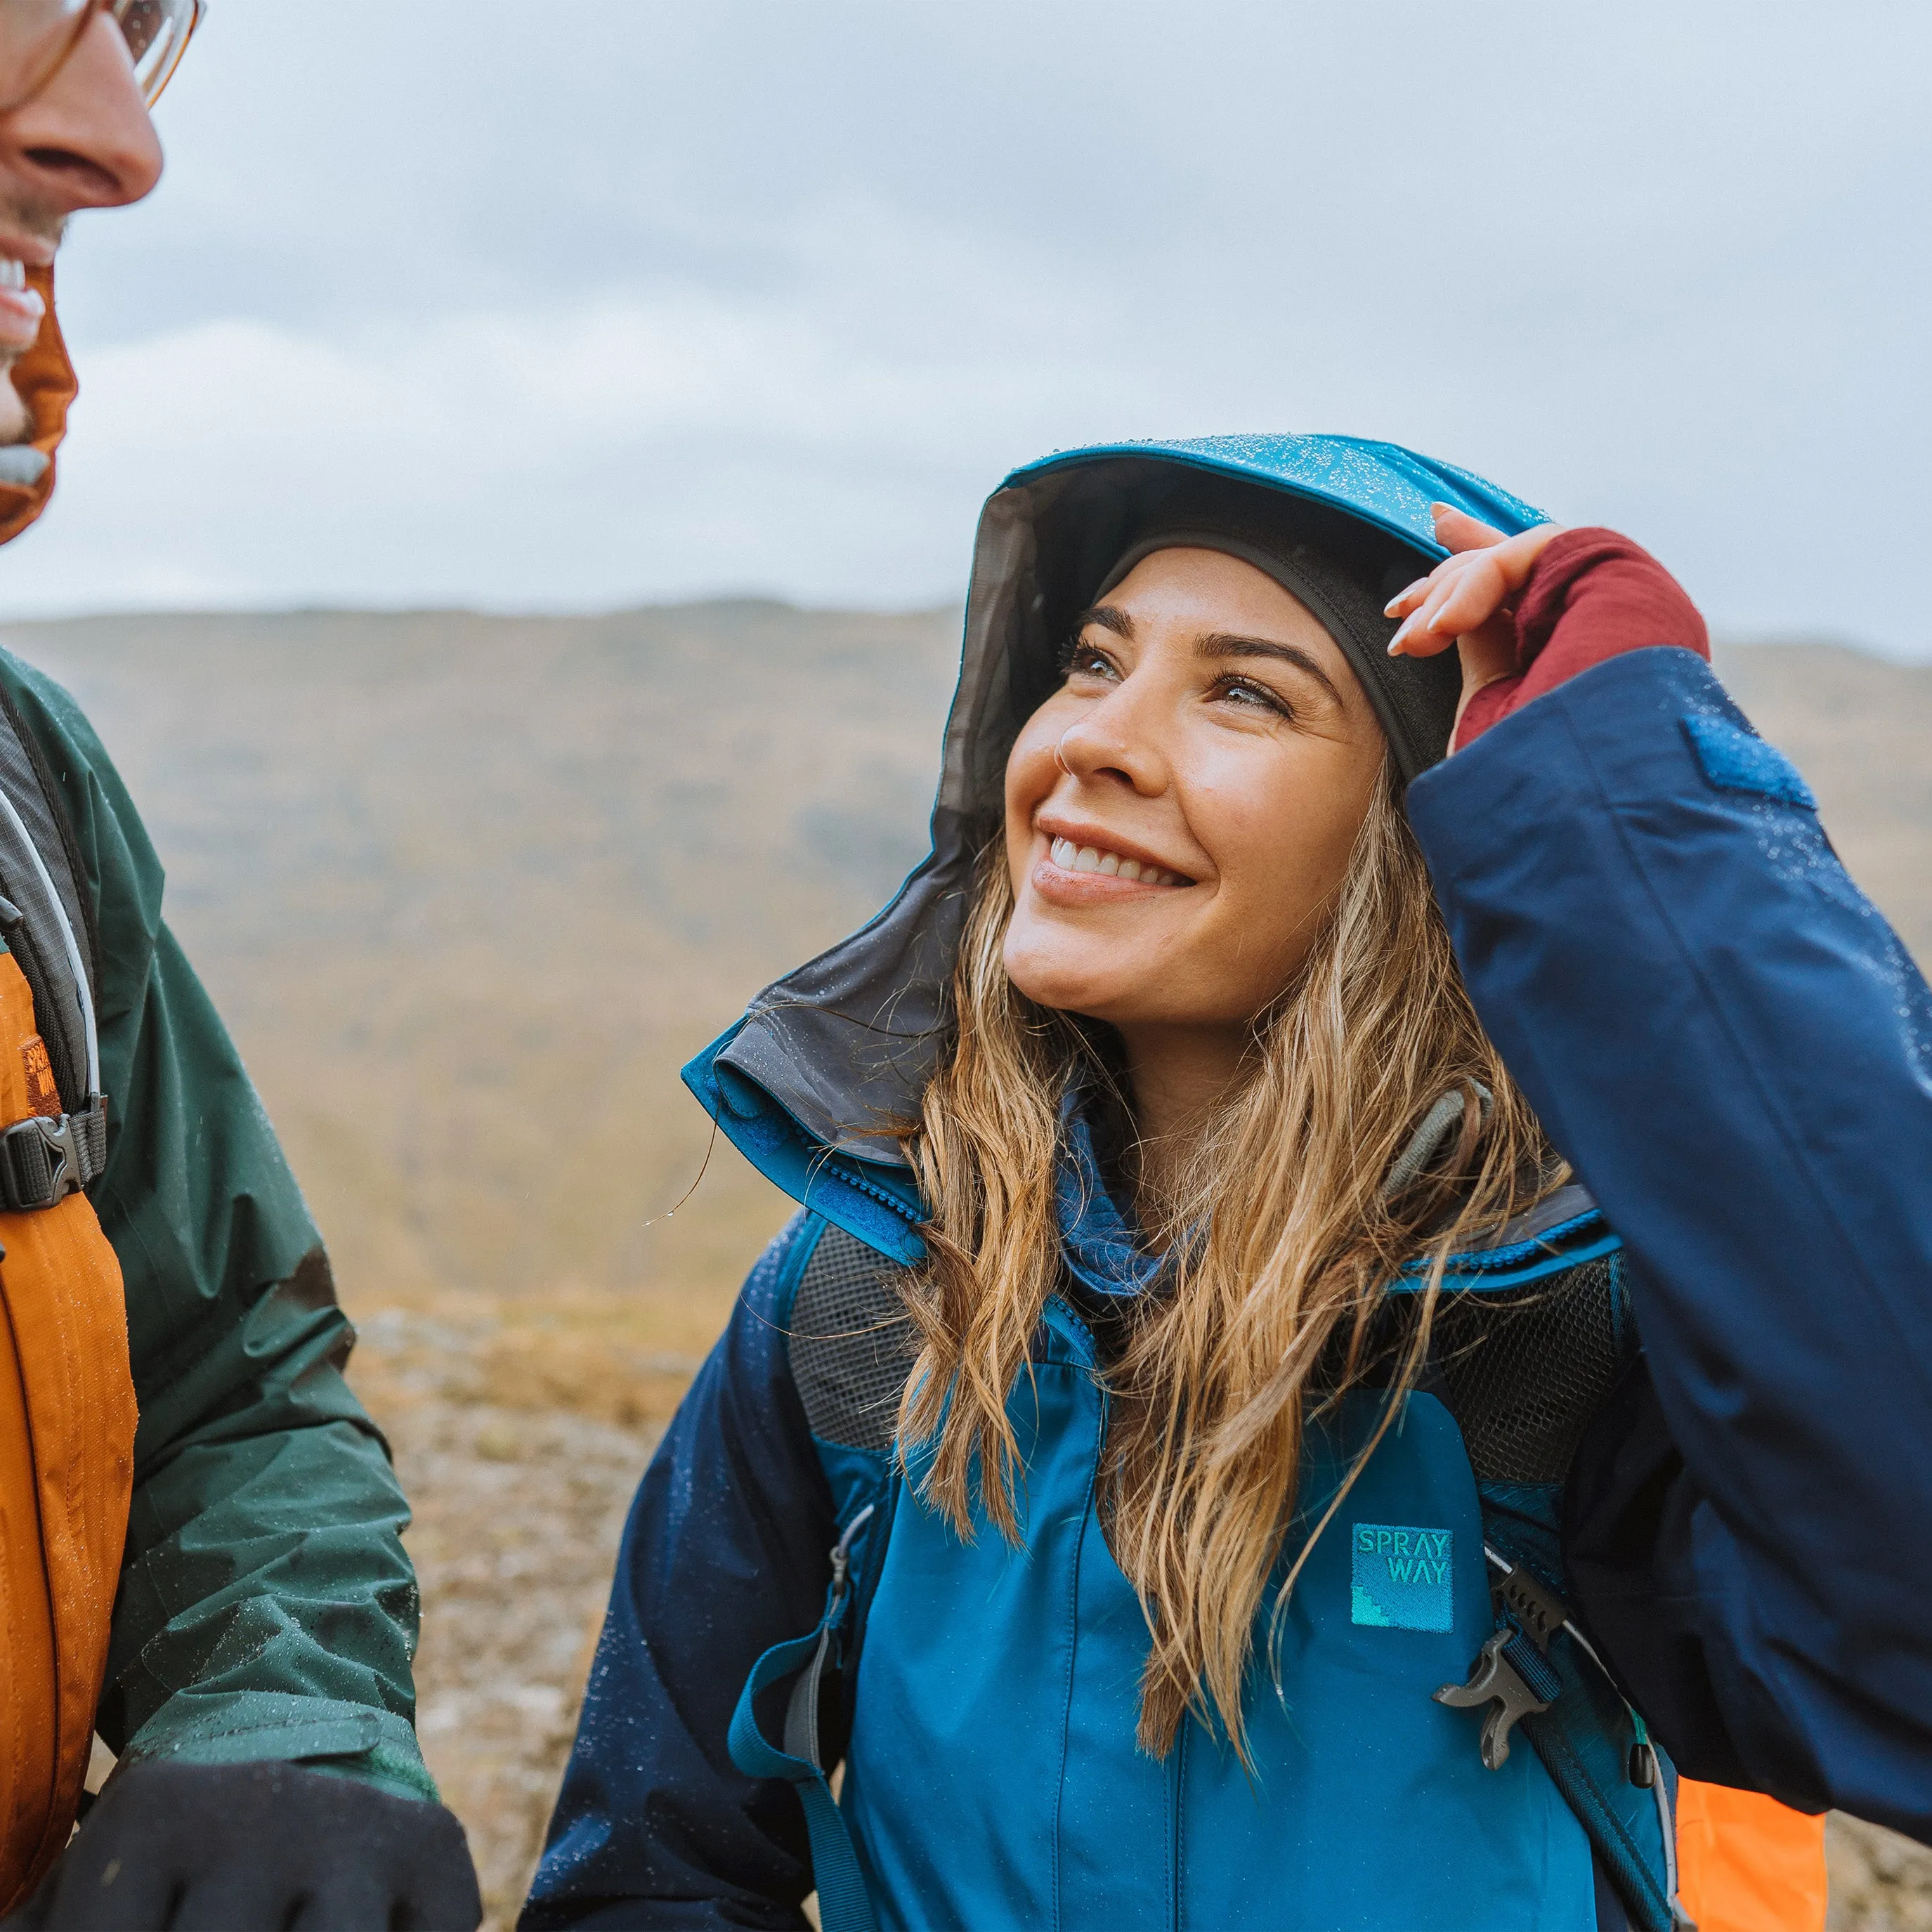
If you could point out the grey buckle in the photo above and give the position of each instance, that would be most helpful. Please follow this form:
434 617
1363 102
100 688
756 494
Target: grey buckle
1495 1681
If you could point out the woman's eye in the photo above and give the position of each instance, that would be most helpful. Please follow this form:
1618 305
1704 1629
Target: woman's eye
1082 661
1239 691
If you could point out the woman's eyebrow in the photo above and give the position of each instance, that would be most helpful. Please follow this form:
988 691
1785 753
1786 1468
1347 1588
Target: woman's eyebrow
1223 644
1108 619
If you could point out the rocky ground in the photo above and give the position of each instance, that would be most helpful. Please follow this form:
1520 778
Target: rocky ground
518 1510
520 1499
1880 1882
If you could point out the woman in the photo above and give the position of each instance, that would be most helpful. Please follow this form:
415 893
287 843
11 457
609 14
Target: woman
1201 1426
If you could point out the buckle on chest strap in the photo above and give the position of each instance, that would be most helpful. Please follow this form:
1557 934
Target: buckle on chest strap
43 1161
1512 1676
1495 1681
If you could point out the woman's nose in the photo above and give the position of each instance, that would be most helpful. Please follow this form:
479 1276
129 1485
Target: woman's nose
85 139
1111 741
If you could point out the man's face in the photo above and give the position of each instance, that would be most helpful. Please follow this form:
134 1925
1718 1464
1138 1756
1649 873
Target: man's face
84 140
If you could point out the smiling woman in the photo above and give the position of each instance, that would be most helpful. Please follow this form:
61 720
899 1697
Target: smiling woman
1192 1461
1254 1025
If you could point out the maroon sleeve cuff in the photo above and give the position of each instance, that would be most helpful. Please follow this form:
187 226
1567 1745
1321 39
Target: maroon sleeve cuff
1592 595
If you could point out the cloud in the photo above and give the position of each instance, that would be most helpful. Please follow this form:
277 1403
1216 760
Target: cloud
619 446
661 301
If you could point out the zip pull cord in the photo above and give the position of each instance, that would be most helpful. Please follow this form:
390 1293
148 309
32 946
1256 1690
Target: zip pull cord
1680 1919
842 1558
801 1723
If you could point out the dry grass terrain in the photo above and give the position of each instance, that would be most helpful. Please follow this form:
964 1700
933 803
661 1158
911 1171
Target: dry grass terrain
470 890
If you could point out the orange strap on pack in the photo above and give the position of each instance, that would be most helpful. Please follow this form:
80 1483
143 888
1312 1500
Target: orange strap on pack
67 1460
1747 1863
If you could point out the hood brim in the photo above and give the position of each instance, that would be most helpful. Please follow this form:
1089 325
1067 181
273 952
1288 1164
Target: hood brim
844 1046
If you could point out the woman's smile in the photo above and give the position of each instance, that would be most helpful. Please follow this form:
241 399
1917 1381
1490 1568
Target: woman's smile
1083 864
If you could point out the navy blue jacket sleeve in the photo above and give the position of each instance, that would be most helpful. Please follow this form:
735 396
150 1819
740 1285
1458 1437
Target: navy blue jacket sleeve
726 1554
1736 1050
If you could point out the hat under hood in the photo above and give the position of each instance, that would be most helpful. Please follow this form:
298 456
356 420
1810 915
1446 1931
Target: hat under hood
810 1083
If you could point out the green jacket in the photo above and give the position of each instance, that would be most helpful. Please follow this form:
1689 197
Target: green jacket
266 1608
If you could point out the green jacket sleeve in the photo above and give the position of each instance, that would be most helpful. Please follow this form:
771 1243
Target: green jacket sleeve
266 1608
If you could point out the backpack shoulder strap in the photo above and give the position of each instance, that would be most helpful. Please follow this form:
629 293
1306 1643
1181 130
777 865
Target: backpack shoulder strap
45 925
27 771
849 1340
851 1346
1524 1369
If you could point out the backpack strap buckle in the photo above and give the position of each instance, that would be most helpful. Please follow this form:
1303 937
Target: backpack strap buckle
43 1160
1495 1681
1540 1613
1512 1676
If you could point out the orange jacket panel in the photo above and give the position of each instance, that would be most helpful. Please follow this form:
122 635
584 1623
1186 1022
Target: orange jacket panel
1746 1864
67 1443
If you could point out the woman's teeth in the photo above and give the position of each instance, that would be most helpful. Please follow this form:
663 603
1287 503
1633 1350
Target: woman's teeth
1072 858
12 275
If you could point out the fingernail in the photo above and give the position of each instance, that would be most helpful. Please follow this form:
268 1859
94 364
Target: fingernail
1395 642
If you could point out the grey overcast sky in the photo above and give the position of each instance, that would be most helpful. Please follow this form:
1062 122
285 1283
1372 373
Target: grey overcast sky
567 304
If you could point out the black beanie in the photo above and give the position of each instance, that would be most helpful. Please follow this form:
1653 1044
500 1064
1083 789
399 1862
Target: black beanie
1415 698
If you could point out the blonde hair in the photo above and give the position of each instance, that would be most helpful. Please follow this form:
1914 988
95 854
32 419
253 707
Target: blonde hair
1266 1314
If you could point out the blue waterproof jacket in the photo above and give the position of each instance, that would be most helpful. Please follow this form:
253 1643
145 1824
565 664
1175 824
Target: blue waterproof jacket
1732 1048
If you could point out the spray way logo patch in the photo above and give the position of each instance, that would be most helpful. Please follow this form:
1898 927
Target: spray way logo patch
1402 1577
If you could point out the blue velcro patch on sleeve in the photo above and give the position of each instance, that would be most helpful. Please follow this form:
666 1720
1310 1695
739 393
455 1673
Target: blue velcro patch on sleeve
1402 1577
1739 760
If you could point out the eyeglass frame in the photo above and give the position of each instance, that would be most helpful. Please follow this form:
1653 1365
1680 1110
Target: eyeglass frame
85 19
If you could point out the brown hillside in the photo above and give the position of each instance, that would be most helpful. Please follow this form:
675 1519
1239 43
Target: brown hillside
469 890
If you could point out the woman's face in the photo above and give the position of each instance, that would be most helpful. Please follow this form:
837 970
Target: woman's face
1180 813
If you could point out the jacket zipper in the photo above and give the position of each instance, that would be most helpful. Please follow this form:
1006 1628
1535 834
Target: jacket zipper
871 1190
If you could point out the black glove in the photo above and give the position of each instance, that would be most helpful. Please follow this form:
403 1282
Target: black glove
254 1848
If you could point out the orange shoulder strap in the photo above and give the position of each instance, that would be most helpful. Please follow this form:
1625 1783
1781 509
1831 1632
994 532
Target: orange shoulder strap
1746 1864
66 1461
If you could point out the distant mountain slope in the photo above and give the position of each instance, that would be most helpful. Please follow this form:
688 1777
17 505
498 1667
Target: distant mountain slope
470 888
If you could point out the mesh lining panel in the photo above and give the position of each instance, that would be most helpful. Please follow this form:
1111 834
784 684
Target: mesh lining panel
851 1342
1524 1375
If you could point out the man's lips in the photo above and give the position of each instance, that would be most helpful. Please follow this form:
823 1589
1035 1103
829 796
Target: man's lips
29 250
22 310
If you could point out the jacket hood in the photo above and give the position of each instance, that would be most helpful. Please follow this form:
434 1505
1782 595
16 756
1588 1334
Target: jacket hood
44 380
810 1083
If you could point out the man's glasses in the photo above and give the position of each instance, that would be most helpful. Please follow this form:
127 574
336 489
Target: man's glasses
36 36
